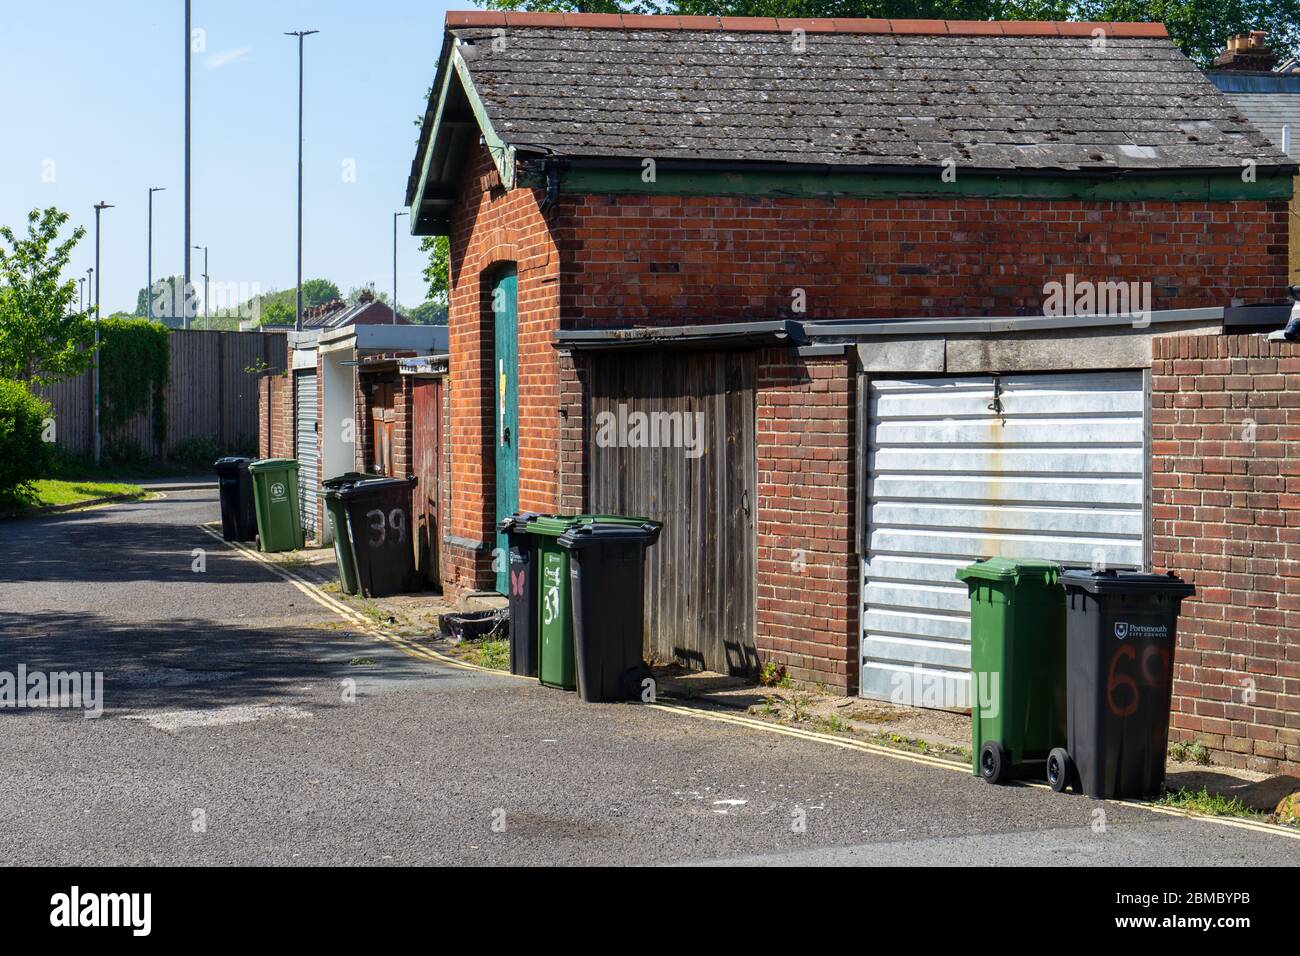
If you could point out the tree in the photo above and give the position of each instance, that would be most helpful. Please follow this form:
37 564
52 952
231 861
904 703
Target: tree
167 303
1200 28
41 339
430 313
438 272
316 292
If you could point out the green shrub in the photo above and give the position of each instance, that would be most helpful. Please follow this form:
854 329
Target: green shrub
24 453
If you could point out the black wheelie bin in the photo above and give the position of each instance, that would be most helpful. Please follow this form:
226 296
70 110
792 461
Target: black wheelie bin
607 590
238 515
523 589
1121 630
379 530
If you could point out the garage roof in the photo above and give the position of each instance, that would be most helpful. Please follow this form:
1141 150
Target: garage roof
864 93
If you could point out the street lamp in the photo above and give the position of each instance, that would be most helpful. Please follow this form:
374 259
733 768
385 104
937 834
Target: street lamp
189 62
206 311
82 300
99 208
396 216
301 35
149 288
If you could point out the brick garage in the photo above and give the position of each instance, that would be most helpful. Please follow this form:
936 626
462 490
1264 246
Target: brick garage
1226 515
716 238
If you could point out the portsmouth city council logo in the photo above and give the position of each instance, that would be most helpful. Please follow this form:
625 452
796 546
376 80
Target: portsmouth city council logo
277 489
1121 629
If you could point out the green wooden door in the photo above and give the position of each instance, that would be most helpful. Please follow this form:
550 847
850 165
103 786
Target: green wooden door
505 373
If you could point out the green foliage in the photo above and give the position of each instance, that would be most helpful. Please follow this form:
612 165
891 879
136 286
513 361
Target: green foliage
429 313
1204 802
24 453
41 339
199 453
134 368
167 300
1200 28
280 307
438 272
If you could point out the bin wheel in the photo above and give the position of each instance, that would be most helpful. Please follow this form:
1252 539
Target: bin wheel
993 762
1060 769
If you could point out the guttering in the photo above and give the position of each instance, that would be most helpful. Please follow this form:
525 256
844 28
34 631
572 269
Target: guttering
854 328
781 332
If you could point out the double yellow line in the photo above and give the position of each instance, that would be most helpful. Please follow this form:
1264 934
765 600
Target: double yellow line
349 614
369 627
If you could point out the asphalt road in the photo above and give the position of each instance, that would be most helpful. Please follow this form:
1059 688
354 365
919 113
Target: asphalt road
226 737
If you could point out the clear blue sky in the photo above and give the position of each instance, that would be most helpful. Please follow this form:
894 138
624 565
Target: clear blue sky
94 94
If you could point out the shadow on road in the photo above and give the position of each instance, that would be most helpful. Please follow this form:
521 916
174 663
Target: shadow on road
194 663
83 546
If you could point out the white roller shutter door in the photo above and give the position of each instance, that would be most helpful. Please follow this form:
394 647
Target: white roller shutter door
308 451
963 468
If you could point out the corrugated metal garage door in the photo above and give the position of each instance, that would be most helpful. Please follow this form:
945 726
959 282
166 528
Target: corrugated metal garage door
308 450
1041 466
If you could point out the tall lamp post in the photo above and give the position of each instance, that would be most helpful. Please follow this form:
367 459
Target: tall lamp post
301 35
396 216
189 56
99 208
205 279
83 294
148 290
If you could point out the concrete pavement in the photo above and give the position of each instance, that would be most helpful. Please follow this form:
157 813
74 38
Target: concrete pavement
230 735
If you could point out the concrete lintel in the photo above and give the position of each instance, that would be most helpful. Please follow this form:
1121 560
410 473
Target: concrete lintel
1077 350
903 355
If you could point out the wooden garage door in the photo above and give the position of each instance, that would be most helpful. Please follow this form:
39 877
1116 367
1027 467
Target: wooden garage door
700 576
959 469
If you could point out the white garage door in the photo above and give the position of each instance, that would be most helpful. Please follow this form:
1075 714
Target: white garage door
1028 466
308 451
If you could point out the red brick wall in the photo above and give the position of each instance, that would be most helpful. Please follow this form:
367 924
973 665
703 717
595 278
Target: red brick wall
493 227
275 416
1226 516
682 258
807 587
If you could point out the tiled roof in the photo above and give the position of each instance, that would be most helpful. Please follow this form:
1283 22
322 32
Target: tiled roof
999 96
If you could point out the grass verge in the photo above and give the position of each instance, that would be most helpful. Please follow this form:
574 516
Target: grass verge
1206 803
52 493
491 654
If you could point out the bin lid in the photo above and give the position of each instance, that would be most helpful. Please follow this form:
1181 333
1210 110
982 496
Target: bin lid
272 464
552 526
372 486
231 461
348 478
518 522
1011 569
1117 582
584 535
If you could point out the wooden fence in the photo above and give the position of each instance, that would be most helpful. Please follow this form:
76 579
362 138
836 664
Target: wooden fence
211 395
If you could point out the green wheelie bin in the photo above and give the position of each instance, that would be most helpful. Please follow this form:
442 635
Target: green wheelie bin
338 519
275 495
1017 610
556 657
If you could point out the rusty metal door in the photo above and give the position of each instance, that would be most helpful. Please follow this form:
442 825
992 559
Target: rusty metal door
426 458
689 462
